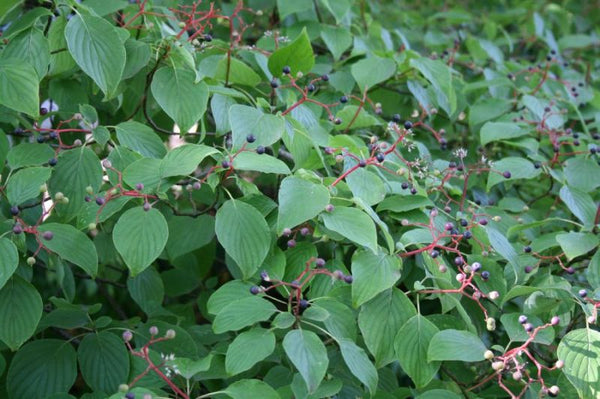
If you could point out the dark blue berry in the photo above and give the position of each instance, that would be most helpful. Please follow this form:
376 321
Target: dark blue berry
527 249
458 261
467 235
337 121
483 222
225 164
362 163
250 138
100 200
404 185
40 139
320 262
413 191
52 161
208 37
303 303
485 275
380 157
14 210
348 279
506 174
254 289
396 118
43 111
464 222
434 254
274 83
130 395
343 99
537 165
260 149
582 293
311 87
408 125
325 78
17 228
286 69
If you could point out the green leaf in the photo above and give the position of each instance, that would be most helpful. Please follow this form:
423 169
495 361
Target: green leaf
294 191
242 313
438 394
76 170
188 368
495 131
582 173
239 73
184 159
359 364
25 184
308 354
373 274
103 361
576 244
517 333
456 345
29 154
96 46
519 168
8 261
147 290
244 234
227 293
260 163
137 56
379 321
298 55
178 94
187 234
580 351
42 368
140 138
146 171
372 70
251 389
139 237
20 312
336 39
366 185
247 349
579 203
411 344
353 224
400 203
19 86
440 76
72 245
501 244
245 120
364 119
289 7
31 47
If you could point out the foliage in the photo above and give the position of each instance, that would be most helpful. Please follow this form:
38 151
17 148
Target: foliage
367 199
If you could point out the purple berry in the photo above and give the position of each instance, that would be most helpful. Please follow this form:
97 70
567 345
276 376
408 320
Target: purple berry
582 293
483 222
570 270
555 320
362 163
528 269
522 319
448 226
528 327
475 266
458 261
48 235
464 222
17 228
434 253
303 303
295 284
100 200
349 279
14 210
146 206
286 70
413 191
225 164
260 150
254 289
320 262
286 232
305 231
251 138
506 174
43 111
380 157
467 234
343 99
485 275
52 161
139 186
527 249
408 125
291 243
325 78
130 395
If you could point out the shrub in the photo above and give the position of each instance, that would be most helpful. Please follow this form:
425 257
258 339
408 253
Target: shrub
307 199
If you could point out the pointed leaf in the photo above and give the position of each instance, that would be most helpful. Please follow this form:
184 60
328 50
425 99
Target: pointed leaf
139 237
72 245
103 360
306 351
19 86
456 345
353 224
20 312
359 364
242 313
293 207
298 55
249 348
581 354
